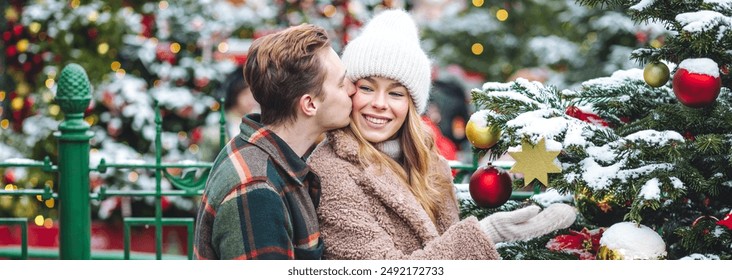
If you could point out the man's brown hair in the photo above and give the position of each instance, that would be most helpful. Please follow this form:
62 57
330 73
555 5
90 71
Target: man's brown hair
283 66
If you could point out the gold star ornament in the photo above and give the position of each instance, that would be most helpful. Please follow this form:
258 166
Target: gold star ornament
535 162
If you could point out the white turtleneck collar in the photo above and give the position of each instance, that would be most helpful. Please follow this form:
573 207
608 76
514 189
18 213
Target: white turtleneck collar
391 148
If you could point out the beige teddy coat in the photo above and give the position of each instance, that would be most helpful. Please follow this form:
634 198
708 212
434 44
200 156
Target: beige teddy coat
370 214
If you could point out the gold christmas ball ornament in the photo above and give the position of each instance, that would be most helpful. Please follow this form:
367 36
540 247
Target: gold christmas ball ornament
656 74
631 241
482 136
601 210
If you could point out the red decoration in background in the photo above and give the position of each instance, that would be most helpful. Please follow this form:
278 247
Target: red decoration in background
641 37
9 177
28 65
201 82
147 25
163 52
11 51
37 58
701 218
592 118
165 203
474 76
349 23
584 243
445 146
726 222
185 111
22 112
696 90
490 186
17 29
689 136
92 32
196 135
240 60
90 108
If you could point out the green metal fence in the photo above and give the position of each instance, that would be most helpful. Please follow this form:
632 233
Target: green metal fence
74 198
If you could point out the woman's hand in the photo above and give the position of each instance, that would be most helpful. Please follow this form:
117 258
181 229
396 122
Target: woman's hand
528 222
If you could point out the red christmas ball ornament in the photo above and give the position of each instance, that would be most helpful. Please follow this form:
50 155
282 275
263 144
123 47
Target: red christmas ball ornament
196 135
17 30
697 82
165 203
9 177
11 51
490 186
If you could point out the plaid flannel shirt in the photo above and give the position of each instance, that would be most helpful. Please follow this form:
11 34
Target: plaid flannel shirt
259 201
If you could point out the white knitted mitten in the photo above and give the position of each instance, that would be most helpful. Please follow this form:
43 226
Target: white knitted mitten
527 222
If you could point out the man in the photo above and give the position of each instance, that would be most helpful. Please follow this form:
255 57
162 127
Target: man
260 199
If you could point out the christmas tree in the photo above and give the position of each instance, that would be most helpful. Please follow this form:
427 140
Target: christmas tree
634 147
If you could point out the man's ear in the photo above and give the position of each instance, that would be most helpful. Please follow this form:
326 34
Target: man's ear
308 105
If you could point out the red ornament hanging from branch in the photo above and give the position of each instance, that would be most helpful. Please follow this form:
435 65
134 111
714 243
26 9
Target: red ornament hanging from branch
490 186
697 82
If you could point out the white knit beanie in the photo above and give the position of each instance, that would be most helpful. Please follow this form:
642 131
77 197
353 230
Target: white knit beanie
388 47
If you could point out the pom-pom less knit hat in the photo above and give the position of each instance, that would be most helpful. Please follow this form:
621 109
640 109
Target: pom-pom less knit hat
388 47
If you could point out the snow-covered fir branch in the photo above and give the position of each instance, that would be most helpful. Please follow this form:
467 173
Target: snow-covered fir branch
639 165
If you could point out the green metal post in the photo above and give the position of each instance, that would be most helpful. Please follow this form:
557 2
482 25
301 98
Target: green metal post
73 96
158 183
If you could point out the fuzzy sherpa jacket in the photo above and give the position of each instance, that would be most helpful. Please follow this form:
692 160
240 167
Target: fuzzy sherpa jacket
365 213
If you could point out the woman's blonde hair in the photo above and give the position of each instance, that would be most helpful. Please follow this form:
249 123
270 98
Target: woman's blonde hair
420 153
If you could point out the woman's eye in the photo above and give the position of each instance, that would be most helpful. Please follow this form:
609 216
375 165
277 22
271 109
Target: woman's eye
396 93
364 88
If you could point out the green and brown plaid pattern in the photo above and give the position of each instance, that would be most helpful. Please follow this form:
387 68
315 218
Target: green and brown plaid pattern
259 201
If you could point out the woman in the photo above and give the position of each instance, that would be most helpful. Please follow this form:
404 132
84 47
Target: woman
386 193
